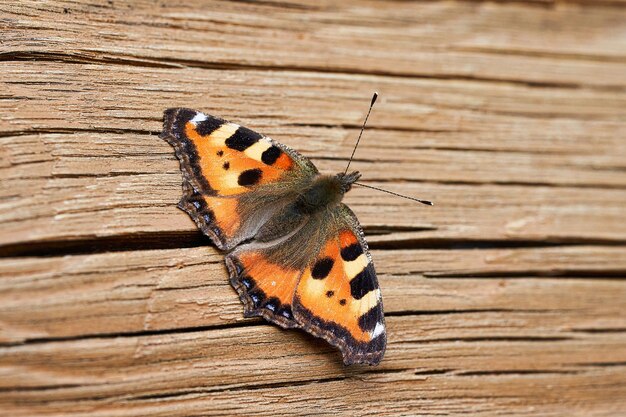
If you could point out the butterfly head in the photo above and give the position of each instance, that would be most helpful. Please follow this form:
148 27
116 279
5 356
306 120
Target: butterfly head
346 180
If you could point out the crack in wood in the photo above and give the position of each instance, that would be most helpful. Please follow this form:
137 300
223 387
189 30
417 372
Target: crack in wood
182 63
602 364
466 311
488 339
395 180
191 239
540 54
118 243
136 334
518 372
574 273
599 330
74 130
257 322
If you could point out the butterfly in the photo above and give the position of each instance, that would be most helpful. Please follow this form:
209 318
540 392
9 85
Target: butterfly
296 255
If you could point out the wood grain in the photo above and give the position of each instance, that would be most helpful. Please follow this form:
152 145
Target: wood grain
432 39
530 187
135 291
506 298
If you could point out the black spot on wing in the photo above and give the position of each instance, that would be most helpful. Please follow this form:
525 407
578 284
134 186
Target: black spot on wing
176 118
184 115
322 268
377 344
368 321
272 304
238 267
242 139
226 165
342 301
350 253
270 155
285 311
247 282
330 293
201 209
257 296
364 282
208 126
249 177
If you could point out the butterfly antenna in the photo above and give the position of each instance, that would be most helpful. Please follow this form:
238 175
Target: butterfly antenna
428 203
374 97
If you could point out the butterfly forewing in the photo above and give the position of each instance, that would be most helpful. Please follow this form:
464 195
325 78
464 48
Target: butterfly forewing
234 178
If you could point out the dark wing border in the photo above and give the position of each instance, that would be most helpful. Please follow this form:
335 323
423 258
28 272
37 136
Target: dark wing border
282 314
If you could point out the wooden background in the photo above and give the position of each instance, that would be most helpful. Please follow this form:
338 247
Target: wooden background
506 298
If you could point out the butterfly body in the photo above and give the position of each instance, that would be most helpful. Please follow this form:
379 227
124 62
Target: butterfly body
296 254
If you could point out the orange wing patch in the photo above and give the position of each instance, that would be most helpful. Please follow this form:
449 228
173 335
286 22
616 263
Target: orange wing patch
217 217
232 159
339 296
266 289
224 211
221 161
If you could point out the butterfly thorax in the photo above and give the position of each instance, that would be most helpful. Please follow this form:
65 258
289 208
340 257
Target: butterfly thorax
325 191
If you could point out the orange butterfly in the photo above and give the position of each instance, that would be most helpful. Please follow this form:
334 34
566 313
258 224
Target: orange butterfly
296 254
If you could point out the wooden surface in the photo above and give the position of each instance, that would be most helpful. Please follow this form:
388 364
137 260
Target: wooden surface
506 298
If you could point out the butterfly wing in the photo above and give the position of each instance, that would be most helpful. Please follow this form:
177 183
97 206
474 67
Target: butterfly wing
320 278
338 298
234 179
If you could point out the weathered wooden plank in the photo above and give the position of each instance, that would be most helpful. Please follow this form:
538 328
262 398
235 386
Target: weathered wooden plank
567 45
59 207
510 115
400 394
125 97
102 371
132 181
185 288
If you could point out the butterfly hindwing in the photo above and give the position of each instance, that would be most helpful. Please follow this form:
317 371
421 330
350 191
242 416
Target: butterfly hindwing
338 297
265 288
319 278
266 271
233 177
